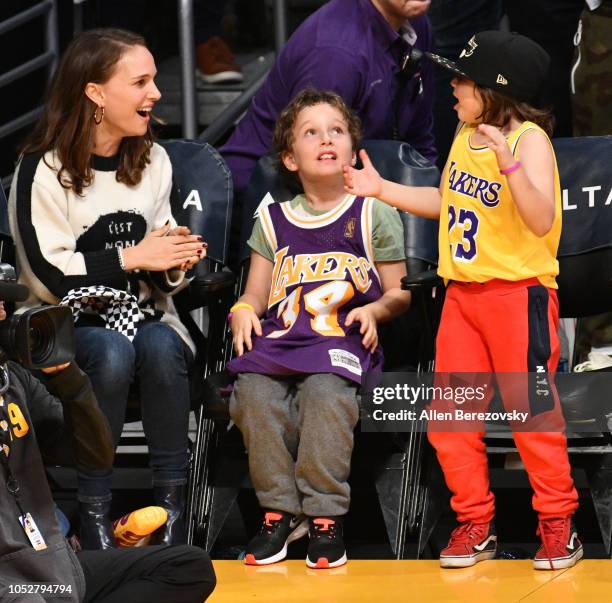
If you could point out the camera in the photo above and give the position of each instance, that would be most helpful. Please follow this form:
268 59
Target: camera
39 337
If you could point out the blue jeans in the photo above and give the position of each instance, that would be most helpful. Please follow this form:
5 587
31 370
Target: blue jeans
160 360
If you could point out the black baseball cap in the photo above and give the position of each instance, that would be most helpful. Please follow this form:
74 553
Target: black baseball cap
503 61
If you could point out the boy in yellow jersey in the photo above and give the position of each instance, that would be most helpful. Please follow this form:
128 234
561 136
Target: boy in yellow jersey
499 206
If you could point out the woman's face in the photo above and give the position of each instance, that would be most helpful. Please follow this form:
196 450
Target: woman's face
128 96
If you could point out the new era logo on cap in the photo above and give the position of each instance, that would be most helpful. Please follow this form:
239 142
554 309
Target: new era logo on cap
501 80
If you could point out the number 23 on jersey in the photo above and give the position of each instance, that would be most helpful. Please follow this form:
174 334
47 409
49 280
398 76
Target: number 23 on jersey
462 233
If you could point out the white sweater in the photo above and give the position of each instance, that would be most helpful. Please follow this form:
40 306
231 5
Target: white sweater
64 240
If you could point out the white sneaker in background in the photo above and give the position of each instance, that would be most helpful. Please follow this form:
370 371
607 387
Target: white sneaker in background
596 360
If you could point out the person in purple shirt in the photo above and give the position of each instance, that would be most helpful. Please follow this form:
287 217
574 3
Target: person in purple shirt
355 48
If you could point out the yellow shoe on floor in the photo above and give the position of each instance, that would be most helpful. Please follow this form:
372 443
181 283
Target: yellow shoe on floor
132 528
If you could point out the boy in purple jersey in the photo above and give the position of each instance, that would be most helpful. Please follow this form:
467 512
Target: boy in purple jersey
325 269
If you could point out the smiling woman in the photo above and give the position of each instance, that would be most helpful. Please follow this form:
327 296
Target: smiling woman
90 213
124 100
105 77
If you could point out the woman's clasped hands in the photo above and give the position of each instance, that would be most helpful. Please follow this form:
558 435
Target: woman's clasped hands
164 249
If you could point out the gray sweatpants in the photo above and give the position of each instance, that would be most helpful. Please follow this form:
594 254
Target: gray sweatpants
298 431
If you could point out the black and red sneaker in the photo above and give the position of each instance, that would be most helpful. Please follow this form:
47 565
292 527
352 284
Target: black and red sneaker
470 543
277 531
326 547
560 545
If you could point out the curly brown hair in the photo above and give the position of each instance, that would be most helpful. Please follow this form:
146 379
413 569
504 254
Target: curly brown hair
283 138
67 123
498 109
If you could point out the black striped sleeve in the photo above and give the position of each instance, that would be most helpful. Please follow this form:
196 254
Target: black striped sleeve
102 267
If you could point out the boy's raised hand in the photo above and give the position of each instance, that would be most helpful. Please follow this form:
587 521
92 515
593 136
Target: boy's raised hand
368 329
244 322
365 182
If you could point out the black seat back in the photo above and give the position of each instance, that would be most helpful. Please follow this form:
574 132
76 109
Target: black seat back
399 162
202 193
201 198
585 250
7 250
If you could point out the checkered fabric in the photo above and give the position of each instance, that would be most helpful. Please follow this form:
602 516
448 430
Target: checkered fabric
118 309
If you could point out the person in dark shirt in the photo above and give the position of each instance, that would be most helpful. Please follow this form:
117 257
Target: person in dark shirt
36 562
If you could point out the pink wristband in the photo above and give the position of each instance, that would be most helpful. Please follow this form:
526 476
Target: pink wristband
515 166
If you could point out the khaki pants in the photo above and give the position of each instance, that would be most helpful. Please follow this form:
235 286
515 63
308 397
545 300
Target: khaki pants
591 75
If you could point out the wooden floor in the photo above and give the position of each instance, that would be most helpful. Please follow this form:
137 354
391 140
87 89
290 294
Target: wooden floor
363 581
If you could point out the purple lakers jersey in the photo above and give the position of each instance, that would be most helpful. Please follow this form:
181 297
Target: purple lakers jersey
323 268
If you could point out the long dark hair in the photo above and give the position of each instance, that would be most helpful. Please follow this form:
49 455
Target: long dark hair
67 123
498 109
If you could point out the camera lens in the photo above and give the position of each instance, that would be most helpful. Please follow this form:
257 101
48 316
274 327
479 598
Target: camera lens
42 337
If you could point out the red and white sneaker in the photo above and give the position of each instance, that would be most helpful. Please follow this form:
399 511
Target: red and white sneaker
470 543
560 545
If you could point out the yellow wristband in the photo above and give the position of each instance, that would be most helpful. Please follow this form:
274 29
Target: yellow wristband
241 305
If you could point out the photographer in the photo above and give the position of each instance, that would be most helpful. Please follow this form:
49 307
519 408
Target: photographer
36 562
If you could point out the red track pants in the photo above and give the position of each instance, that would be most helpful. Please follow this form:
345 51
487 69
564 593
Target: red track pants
502 326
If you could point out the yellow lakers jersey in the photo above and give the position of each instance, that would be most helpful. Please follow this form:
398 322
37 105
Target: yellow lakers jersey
482 235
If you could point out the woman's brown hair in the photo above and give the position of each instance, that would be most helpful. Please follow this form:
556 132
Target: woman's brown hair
282 140
498 110
67 122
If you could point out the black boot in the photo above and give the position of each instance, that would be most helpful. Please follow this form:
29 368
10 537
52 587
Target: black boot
171 498
96 527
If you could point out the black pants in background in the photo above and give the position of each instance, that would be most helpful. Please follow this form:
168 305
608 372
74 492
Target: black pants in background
151 574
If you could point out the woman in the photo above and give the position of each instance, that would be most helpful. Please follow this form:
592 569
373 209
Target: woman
89 206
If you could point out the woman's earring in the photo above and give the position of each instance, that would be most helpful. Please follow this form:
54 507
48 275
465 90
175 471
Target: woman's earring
97 120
